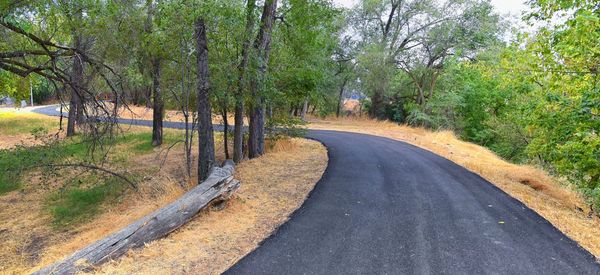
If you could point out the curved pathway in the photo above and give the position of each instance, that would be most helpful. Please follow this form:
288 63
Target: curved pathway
387 207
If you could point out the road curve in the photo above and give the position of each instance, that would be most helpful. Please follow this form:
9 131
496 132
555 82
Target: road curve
387 207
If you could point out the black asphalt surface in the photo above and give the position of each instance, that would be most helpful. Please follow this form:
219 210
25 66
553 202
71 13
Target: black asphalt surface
387 207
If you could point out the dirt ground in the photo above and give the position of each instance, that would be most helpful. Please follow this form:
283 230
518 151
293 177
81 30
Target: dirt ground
550 197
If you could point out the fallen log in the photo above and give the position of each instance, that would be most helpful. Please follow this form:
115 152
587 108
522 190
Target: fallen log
219 185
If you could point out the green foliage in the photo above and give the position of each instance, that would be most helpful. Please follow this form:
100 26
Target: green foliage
536 100
564 121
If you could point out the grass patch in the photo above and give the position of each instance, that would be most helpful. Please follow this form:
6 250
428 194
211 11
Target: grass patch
16 124
15 162
141 143
82 200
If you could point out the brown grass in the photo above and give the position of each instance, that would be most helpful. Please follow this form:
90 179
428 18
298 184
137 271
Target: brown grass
30 241
548 196
272 187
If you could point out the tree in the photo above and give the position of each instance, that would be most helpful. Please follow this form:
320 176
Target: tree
345 62
238 152
76 102
153 56
472 29
256 138
29 49
563 60
415 36
206 153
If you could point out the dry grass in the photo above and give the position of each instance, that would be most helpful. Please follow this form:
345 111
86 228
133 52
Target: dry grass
272 187
28 238
556 202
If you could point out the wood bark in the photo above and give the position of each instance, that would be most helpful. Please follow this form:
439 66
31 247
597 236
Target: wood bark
225 132
339 105
304 109
238 133
148 96
256 135
218 186
155 72
75 103
157 104
72 114
377 107
206 153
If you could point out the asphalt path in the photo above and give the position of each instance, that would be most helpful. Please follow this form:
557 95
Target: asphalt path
387 207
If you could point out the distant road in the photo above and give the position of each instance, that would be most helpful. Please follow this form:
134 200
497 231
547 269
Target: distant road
387 207
53 110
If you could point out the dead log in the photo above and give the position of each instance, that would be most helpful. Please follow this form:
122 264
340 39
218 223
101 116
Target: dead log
219 185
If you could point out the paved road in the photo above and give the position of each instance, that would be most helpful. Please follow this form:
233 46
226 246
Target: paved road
386 207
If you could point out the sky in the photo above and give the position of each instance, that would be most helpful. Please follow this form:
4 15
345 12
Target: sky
514 7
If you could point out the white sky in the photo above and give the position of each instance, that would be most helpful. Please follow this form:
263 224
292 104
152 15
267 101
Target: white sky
514 7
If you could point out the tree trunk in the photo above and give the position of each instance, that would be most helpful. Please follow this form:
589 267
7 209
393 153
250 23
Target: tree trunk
238 128
72 113
360 107
433 82
270 111
135 97
421 95
339 106
153 94
75 102
206 150
376 110
158 105
148 96
225 132
304 109
80 106
256 139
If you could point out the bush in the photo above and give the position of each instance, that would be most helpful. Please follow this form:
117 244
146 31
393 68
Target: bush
280 127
